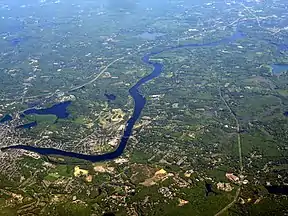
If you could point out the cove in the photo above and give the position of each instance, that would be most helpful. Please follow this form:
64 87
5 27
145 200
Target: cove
60 110
278 190
278 69
27 126
6 118
139 103
110 96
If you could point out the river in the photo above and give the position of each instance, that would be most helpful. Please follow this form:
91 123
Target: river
139 103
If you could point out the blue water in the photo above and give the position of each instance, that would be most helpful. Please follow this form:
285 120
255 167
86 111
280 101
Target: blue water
283 47
139 103
285 113
27 126
110 96
15 41
60 110
279 190
6 118
18 40
278 69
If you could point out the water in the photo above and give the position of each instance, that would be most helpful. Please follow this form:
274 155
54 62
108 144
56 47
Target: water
209 189
278 69
27 126
59 110
279 190
110 96
139 103
6 118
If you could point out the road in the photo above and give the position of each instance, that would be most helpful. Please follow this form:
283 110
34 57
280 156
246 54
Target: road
239 153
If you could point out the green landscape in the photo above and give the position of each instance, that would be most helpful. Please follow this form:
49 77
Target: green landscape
143 108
